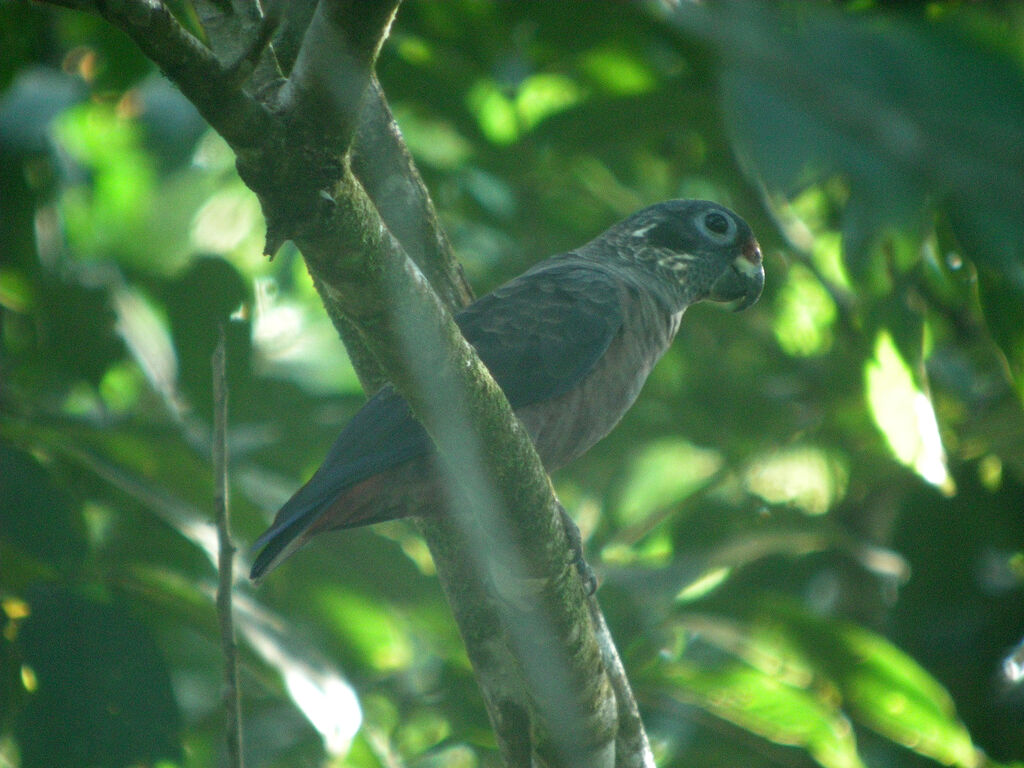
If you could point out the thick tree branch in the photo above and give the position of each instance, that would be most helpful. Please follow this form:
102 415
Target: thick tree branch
193 67
383 165
387 172
240 35
334 66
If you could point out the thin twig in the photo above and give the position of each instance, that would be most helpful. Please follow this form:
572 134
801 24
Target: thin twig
225 556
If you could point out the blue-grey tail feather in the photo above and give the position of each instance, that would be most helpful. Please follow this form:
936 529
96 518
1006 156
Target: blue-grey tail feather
279 542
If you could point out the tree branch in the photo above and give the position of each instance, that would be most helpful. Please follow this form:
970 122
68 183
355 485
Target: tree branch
385 168
225 556
334 66
387 172
190 65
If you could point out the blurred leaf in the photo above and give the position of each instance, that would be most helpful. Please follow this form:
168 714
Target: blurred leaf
36 515
770 697
542 95
884 688
662 475
804 476
906 111
367 627
1003 305
904 414
432 142
495 112
806 313
618 71
112 210
100 693
795 678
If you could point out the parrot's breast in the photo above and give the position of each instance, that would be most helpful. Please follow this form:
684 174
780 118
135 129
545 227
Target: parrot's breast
567 426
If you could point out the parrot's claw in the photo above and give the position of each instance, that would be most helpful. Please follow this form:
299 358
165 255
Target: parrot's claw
572 532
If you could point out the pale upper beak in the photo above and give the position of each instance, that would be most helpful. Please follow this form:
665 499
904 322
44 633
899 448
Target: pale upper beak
743 280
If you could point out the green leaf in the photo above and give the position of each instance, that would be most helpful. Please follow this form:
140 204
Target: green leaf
796 678
766 690
883 687
904 414
663 474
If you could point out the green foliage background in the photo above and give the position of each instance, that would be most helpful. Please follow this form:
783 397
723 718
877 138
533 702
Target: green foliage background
810 528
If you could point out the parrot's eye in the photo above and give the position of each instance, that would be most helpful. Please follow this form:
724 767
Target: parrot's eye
717 223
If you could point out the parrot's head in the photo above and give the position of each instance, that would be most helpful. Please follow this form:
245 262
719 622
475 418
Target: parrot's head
693 250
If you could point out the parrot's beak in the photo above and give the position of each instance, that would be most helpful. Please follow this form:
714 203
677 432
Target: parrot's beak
743 280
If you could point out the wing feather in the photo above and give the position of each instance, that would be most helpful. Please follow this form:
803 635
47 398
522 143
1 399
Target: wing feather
539 335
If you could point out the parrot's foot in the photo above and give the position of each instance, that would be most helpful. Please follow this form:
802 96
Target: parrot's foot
572 532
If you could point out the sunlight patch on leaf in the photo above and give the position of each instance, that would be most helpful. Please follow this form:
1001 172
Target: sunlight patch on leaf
412 48
894 696
503 117
879 685
827 254
704 584
663 474
655 549
226 221
292 341
617 71
16 290
904 414
369 627
495 113
545 94
121 183
318 690
121 387
807 477
433 142
762 704
146 335
805 314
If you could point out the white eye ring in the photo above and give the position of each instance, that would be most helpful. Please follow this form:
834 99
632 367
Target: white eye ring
717 225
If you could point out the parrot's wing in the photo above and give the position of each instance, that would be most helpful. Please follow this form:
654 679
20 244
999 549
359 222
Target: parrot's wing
542 333
539 336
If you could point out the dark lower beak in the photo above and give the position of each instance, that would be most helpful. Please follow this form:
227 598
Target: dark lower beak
743 280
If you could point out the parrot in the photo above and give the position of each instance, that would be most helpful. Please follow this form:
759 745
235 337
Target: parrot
570 342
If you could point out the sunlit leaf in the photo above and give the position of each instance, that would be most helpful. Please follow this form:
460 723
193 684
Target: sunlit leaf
495 112
665 473
146 335
805 476
904 414
806 312
313 683
617 71
542 95
112 209
760 702
368 627
433 142
886 689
